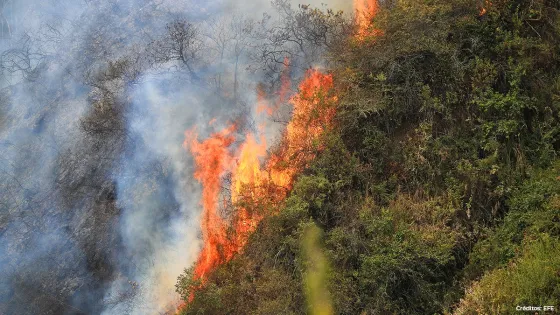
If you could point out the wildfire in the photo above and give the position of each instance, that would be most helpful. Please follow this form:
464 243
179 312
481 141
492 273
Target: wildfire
365 10
312 113
247 176
251 178
212 158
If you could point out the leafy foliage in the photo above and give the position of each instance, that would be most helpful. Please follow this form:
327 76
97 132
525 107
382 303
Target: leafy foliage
439 178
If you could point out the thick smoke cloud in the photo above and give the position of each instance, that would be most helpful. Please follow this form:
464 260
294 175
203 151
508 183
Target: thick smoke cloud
98 209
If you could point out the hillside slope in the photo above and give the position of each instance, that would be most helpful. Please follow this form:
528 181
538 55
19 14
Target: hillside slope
438 187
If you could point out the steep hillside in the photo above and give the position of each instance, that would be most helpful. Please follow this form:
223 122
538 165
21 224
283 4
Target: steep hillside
437 185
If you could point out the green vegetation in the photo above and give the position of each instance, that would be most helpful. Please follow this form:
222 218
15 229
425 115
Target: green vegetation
318 297
520 256
438 191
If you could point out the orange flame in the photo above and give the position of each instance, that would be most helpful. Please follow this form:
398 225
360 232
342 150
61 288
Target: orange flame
248 171
365 10
312 114
247 176
212 158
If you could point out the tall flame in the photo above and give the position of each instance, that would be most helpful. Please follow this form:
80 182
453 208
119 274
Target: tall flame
311 115
247 177
252 180
212 158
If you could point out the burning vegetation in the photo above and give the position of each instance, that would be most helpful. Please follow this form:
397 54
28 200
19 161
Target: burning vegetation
398 230
365 11
400 157
255 177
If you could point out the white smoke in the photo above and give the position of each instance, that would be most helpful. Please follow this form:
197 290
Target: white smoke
50 51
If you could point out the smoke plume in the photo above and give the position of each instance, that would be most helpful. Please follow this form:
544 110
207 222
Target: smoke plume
99 212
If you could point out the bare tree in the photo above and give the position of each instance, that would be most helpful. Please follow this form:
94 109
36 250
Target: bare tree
181 43
229 37
301 34
23 60
241 29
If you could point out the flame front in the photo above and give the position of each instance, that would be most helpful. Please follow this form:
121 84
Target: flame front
252 179
312 113
212 158
248 178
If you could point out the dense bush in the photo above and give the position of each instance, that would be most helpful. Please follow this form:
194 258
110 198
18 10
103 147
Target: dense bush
438 179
